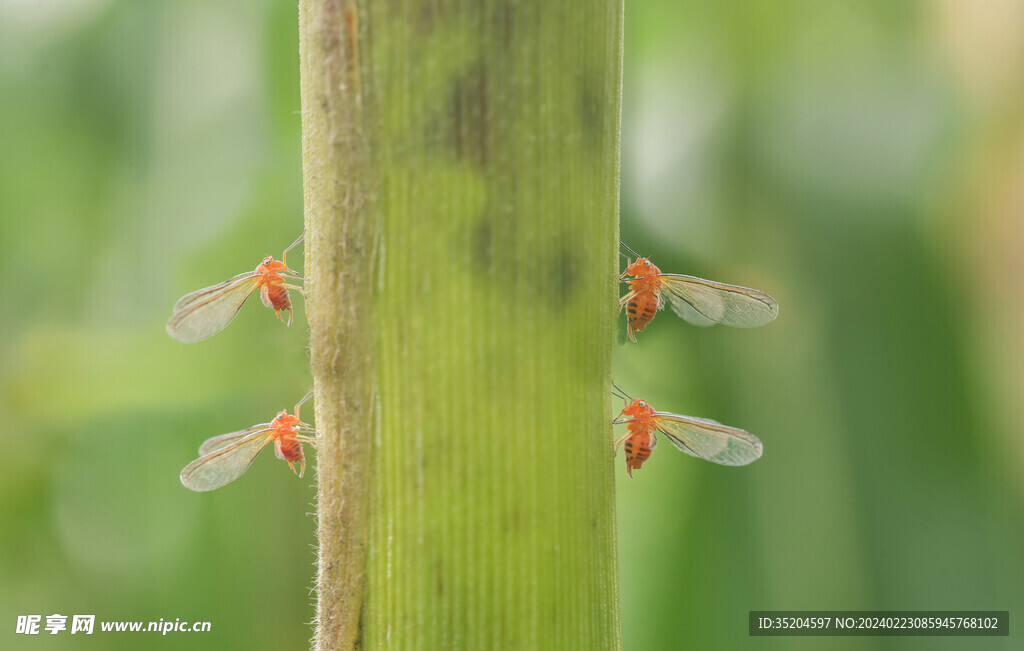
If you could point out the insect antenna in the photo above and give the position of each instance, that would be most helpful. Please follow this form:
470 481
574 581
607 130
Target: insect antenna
284 256
308 395
623 245
619 393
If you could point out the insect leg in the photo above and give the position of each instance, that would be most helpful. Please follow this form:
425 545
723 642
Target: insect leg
622 439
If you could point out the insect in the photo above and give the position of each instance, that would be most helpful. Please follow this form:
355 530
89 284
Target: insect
698 301
207 311
700 437
223 459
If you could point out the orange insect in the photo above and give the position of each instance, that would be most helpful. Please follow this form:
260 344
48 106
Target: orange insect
698 301
223 459
207 311
700 437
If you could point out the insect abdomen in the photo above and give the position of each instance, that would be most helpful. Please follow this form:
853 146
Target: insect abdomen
638 449
640 309
276 297
290 450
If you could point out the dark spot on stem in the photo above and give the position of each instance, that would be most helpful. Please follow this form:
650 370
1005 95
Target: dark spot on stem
560 277
469 116
504 17
427 16
591 114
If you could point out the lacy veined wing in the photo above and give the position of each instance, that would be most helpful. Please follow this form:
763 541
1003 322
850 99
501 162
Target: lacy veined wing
207 311
709 439
700 302
227 461
224 440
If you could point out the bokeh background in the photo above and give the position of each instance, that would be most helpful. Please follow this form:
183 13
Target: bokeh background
861 162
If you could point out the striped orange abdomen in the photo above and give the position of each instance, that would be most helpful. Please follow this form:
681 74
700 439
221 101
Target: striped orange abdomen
638 449
289 449
275 296
640 309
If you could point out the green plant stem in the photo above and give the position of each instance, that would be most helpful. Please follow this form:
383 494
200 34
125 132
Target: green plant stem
462 374
341 227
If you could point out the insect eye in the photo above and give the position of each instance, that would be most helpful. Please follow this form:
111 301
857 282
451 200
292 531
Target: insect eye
642 403
647 263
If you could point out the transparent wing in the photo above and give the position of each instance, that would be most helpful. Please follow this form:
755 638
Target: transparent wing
226 464
697 301
218 442
708 439
207 311
688 313
192 297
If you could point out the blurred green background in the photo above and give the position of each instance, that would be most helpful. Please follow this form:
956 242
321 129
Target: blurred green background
861 162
